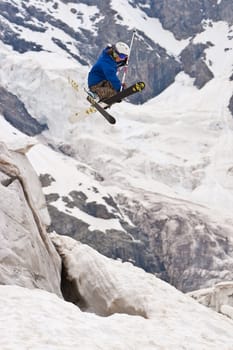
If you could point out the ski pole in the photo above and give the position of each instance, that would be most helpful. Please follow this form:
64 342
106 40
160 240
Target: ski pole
127 62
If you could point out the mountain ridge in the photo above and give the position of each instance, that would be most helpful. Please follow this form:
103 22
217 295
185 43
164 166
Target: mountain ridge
149 61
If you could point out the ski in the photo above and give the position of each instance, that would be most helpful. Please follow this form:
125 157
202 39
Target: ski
102 111
137 87
95 106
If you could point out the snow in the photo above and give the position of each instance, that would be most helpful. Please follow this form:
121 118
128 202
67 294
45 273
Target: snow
179 144
218 56
160 318
35 77
12 137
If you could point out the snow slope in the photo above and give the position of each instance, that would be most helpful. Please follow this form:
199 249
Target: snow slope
153 314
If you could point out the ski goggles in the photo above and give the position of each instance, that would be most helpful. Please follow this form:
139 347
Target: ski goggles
121 55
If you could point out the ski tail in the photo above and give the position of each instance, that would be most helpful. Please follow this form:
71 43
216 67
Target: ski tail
102 110
137 87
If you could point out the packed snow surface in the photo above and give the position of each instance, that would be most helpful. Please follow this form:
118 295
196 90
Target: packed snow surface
156 316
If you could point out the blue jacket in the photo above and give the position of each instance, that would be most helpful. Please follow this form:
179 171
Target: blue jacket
105 68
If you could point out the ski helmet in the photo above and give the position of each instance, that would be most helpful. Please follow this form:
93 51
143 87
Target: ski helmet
122 49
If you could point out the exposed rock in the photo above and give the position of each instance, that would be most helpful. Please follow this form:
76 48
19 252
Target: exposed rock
184 18
52 197
13 39
16 114
27 256
66 149
202 75
79 200
156 67
112 243
65 223
46 180
194 251
225 9
230 106
192 58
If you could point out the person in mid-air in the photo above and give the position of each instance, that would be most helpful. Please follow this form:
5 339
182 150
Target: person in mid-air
103 81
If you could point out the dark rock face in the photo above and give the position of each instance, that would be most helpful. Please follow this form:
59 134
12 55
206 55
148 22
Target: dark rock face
46 180
15 113
11 12
186 246
156 68
192 58
225 10
92 208
184 18
112 243
230 106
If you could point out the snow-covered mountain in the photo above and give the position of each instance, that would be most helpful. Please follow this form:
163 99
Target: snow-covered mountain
156 189
77 29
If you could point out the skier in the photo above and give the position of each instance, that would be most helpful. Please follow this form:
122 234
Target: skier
103 81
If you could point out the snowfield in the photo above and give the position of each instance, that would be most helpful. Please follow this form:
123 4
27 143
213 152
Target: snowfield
151 314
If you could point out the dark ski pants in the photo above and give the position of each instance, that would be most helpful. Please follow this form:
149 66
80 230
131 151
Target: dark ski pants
103 89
